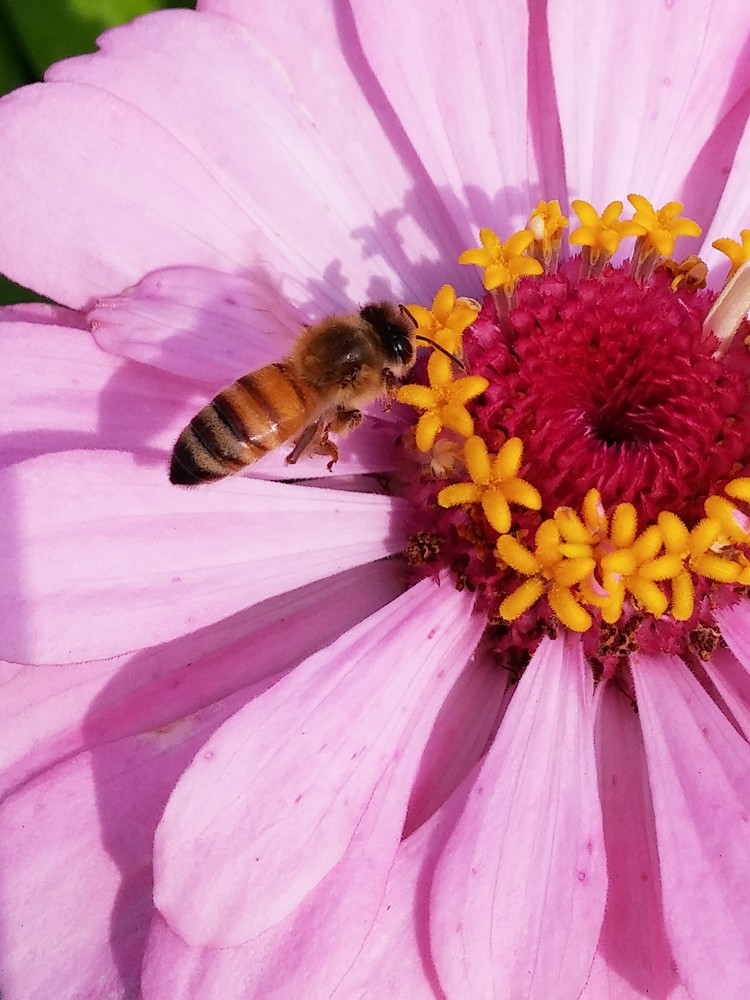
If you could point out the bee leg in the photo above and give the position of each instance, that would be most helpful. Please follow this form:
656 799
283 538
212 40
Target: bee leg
328 447
304 442
390 383
344 420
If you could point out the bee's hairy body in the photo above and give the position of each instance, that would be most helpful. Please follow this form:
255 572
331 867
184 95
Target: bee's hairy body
334 368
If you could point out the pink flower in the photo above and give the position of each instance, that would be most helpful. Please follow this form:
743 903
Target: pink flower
243 757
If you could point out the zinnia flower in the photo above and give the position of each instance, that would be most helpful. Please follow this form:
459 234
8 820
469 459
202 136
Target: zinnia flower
253 751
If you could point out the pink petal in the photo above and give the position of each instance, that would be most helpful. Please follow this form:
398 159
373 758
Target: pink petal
730 669
56 711
673 87
633 959
242 118
698 768
395 960
122 559
230 866
734 208
135 198
405 224
519 891
198 323
455 746
41 312
76 896
75 395
459 87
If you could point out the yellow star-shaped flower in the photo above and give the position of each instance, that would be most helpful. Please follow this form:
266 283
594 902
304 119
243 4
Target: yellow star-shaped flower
546 224
662 226
443 401
446 321
603 233
738 253
494 483
504 263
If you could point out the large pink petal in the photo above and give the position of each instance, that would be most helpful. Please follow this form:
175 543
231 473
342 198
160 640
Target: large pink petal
459 86
395 960
679 69
731 678
311 757
242 117
55 711
633 959
519 892
321 50
111 195
74 395
198 323
455 744
730 669
107 556
76 896
734 208
698 768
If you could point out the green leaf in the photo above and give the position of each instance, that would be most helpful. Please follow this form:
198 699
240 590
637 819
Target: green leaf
14 71
48 30
11 293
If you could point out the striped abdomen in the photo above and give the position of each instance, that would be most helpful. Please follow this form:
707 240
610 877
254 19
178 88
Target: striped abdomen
257 413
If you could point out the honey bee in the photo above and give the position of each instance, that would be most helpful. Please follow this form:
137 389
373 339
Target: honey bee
334 368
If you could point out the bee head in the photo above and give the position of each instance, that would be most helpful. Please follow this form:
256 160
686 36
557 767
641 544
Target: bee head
395 329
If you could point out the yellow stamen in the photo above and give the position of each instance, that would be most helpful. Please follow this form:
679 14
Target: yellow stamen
571 526
521 599
444 401
624 525
504 263
603 233
739 489
648 595
546 224
733 522
494 483
515 555
674 532
449 317
716 568
593 513
661 226
569 610
738 253
683 596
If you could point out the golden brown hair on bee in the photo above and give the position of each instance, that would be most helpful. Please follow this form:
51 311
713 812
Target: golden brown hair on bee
334 368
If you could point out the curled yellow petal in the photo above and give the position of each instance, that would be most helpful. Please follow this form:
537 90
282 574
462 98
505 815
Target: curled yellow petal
477 460
521 599
515 555
457 494
683 597
568 610
496 510
624 525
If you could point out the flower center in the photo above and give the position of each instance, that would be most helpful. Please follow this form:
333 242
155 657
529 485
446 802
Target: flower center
611 384
590 470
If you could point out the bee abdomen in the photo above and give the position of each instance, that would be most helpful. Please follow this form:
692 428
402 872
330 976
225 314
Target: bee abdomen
245 421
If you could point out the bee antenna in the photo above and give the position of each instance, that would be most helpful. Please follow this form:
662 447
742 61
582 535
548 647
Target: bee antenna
442 350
